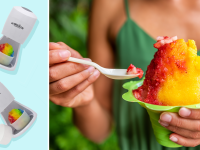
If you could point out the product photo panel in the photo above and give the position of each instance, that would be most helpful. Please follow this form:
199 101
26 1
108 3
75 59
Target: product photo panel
124 74
24 75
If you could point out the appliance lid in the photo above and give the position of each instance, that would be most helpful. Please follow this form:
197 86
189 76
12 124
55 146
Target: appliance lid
19 24
26 12
5 97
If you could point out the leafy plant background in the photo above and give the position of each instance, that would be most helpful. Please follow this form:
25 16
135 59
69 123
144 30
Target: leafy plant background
68 23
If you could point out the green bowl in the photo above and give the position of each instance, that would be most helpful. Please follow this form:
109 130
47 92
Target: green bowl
154 111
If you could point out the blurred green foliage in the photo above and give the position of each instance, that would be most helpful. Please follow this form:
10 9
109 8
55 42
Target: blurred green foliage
68 23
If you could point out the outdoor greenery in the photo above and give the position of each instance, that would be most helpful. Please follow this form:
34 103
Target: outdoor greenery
68 23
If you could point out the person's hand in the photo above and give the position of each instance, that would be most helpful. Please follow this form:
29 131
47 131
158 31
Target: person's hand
185 126
70 84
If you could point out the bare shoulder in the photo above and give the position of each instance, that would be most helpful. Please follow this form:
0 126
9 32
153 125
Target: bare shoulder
103 12
108 7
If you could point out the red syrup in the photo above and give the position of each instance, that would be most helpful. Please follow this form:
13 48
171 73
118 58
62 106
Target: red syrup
160 67
133 70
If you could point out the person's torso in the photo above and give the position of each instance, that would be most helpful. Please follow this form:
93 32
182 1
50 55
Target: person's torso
158 18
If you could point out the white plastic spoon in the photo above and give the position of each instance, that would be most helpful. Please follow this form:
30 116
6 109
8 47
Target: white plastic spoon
119 74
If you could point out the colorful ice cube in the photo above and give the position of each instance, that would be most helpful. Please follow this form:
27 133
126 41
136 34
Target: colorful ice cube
14 114
7 49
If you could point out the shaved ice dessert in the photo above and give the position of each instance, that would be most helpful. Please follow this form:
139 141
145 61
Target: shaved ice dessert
18 118
132 70
7 49
14 115
173 76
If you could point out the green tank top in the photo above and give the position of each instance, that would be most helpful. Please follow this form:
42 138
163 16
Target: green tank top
133 125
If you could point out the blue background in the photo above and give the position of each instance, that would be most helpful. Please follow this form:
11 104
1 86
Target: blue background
29 82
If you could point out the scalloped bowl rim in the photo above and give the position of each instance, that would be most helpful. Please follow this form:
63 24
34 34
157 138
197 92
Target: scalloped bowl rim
128 96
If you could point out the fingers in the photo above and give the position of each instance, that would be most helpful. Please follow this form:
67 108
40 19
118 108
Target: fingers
66 47
182 132
174 119
54 46
62 70
81 87
186 126
66 99
60 52
67 83
184 141
193 114
58 56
